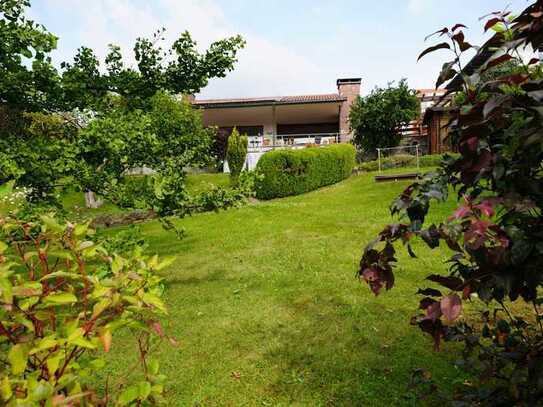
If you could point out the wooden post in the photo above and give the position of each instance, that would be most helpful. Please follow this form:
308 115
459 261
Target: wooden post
379 159
418 167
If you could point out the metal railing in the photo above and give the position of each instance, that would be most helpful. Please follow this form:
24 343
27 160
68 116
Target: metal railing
301 140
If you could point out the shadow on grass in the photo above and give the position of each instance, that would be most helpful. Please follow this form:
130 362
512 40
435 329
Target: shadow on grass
344 361
177 280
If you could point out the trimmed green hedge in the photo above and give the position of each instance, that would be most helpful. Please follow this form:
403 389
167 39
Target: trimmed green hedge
293 172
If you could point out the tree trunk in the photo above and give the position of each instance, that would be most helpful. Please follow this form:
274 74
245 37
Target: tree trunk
90 200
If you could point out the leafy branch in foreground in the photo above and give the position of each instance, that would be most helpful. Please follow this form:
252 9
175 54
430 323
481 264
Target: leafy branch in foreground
496 233
63 299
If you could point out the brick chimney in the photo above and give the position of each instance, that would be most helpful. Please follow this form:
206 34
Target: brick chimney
349 88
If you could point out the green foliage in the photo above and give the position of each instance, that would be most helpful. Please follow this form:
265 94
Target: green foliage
52 149
38 157
495 233
293 172
181 69
28 80
63 299
403 160
236 154
137 123
377 118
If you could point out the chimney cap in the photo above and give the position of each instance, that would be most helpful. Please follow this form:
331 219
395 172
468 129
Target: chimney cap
349 81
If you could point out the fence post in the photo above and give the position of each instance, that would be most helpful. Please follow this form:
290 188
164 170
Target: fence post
379 159
418 166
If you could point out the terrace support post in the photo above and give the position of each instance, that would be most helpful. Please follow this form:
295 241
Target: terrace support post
274 127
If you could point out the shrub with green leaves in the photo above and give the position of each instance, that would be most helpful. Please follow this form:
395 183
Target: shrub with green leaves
236 153
293 172
63 299
403 160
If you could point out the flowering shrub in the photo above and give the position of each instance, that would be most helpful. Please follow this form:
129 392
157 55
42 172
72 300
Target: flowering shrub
17 195
63 300
496 233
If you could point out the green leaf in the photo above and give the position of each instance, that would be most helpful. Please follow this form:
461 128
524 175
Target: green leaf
100 307
51 224
53 362
81 229
6 291
61 274
42 391
144 390
82 342
155 301
5 389
153 366
129 395
18 358
60 299
46 343
30 289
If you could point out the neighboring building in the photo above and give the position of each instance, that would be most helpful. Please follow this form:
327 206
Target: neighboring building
437 119
417 131
286 120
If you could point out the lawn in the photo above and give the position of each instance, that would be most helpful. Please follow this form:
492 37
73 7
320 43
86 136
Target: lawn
267 310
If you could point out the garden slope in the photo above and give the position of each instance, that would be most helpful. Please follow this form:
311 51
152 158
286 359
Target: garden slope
264 303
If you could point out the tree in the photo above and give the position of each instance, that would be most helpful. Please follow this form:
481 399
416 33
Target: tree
376 119
167 139
182 69
134 120
236 154
496 231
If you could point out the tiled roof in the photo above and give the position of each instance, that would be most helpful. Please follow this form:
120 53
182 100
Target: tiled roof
274 100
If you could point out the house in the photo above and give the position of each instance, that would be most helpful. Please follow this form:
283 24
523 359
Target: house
286 120
298 121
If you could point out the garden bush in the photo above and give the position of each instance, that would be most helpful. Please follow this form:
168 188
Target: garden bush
433 160
235 154
293 172
64 300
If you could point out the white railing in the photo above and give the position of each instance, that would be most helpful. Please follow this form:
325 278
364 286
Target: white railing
272 142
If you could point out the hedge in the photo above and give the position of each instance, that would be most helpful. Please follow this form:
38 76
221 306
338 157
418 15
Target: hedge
293 172
404 160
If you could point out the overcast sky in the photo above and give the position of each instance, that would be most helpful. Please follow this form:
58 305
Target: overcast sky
293 46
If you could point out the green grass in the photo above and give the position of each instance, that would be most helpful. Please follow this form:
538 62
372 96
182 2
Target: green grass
267 310
201 182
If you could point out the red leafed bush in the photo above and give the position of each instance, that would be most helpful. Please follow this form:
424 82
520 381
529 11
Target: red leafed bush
496 233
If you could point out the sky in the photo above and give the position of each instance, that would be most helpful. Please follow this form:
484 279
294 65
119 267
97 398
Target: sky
293 46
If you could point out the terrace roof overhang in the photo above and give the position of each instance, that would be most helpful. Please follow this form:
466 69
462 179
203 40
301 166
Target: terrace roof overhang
271 111
268 101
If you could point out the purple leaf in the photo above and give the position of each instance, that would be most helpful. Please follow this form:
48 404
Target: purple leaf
491 23
451 306
452 283
441 32
433 48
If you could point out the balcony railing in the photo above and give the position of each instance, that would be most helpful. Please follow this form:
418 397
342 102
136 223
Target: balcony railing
272 142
